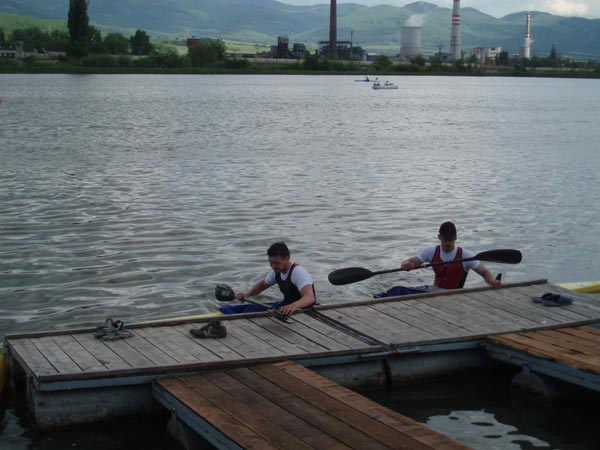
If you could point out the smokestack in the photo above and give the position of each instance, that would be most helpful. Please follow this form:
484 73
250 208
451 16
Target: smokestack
333 29
455 35
527 44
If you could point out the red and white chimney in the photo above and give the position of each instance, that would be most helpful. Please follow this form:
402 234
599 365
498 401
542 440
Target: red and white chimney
455 50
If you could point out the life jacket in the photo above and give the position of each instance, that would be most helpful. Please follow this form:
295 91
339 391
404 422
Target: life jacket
449 276
289 290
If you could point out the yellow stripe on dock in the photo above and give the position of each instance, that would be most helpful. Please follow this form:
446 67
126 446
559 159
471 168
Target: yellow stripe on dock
287 406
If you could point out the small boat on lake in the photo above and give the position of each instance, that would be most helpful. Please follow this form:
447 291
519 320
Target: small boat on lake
386 85
366 80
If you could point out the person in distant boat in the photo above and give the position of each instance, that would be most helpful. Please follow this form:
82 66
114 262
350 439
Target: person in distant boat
294 281
449 276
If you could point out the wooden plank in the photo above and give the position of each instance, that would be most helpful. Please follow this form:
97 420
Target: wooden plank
397 422
451 317
555 337
170 344
223 348
228 424
31 357
99 350
257 345
487 323
57 357
375 430
506 309
582 332
399 327
287 332
278 416
341 337
433 325
334 427
149 349
248 414
80 355
577 311
191 344
527 310
263 326
126 352
379 325
323 339
570 358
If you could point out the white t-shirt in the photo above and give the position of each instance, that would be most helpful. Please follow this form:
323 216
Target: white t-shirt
300 277
426 255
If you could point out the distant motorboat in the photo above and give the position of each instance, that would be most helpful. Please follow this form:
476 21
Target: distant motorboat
386 85
366 80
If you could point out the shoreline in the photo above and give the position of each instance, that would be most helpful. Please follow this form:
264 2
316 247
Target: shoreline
286 70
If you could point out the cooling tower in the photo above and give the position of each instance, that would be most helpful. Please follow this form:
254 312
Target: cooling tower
455 53
410 41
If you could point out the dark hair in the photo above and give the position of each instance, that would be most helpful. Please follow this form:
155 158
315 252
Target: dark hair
279 249
448 231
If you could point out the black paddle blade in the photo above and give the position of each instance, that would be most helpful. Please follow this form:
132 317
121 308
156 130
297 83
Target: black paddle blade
349 275
224 293
505 256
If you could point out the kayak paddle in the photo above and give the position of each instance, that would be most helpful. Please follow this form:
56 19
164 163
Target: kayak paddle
355 274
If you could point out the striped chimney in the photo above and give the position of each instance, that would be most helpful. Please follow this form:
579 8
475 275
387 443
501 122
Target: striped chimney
527 44
333 29
455 53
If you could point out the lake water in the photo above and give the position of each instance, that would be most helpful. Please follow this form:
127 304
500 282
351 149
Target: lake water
133 196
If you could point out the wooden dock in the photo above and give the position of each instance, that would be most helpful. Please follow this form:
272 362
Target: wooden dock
289 407
570 354
353 343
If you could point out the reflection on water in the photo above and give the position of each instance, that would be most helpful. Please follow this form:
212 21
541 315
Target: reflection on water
481 431
483 413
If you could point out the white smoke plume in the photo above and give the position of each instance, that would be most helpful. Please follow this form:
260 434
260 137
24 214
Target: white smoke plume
416 20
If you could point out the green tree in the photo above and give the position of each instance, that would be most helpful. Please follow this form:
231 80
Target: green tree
140 43
96 41
382 62
418 60
502 59
203 55
116 44
79 27
2 38
436 62
218 45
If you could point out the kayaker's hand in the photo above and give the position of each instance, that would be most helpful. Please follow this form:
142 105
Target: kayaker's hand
289 309
408 265
241 296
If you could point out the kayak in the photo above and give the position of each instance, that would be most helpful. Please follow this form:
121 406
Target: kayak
582 286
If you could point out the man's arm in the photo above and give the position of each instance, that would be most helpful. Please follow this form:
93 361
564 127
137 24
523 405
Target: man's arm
307 299
254 290
487 276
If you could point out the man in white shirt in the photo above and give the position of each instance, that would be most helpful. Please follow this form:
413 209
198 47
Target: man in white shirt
294 281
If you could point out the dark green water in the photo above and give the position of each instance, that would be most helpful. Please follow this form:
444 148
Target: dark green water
485 414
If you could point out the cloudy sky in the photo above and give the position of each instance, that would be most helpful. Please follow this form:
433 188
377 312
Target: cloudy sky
498 8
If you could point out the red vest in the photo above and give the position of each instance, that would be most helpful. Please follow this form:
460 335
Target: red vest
449 276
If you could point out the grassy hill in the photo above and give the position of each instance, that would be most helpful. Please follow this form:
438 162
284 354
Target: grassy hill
10 22
375 28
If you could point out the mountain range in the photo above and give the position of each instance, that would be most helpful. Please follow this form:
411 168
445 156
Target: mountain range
375 28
